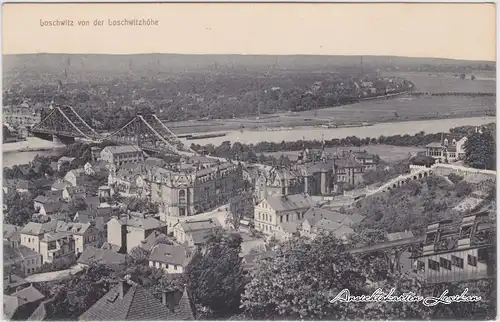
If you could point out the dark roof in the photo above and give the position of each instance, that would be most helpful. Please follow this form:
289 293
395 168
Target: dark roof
169 254
101 256
290 202
11 232
136 304
150 241
33 228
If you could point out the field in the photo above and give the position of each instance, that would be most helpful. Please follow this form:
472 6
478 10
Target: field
387 153
400 108
403 108
445 82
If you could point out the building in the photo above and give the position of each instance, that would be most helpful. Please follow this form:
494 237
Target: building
116 156
194 232
21 116
450 149
64 160
454 254
130 181
188 189
32 233
130 301
274 212
74 192
57 246
92 255
318 221
153 239
129 231
25 260
369 161
12 234
96 168
21 304
84 235
172 259
75 177
17 185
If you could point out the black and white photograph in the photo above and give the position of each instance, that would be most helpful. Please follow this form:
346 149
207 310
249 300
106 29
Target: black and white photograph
249 161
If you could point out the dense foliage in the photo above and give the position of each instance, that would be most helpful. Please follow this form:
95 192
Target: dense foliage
249 152
215 276
480 150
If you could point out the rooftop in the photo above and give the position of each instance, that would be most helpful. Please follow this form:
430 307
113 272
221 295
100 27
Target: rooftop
118 149
101 256
133 302
169 254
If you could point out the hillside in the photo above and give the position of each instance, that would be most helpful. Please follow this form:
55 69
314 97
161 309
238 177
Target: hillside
180 62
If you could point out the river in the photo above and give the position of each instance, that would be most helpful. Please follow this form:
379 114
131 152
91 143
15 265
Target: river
376 130
249 137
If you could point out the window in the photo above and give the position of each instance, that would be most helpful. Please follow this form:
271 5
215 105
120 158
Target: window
482 255
182 211
29 240
287 218
433 265
420 266
182 196
175 267
281 219
471 260
166 265
457 261
445 263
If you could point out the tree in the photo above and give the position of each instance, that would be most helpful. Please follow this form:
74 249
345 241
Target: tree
139 255
302 279
462 76
77 204
215 276
20 208
480 150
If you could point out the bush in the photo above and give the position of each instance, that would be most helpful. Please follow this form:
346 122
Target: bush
455 178
462 189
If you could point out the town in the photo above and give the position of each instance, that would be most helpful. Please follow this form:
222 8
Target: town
143 221
249 187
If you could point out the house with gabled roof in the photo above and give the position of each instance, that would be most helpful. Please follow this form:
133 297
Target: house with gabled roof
84 235
194 232
57 246
32 233
172 259
92 255
21 304
317 221
129 231
131 301
278 210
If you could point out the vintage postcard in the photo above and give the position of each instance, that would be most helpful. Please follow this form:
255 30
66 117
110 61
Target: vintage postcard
249 161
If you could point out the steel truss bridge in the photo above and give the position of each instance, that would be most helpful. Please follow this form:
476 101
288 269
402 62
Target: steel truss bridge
63 125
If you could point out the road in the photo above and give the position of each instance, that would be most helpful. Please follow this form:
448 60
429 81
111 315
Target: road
54 276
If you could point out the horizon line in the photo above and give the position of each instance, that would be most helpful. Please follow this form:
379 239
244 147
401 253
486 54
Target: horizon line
240 54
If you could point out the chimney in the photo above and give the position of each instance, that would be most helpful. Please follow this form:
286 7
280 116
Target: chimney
164 298
123 284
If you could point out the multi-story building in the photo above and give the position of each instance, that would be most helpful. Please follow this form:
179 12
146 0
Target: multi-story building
194 232
450 149
188 189
56 246
24 117
326 175
122 154
129 231
22 258
32 233
84 235
273 214
454 254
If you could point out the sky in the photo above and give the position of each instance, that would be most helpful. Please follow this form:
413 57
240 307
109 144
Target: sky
458 31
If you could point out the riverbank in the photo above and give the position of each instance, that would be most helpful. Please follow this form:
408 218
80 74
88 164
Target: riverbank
318 133
402 108
32 144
